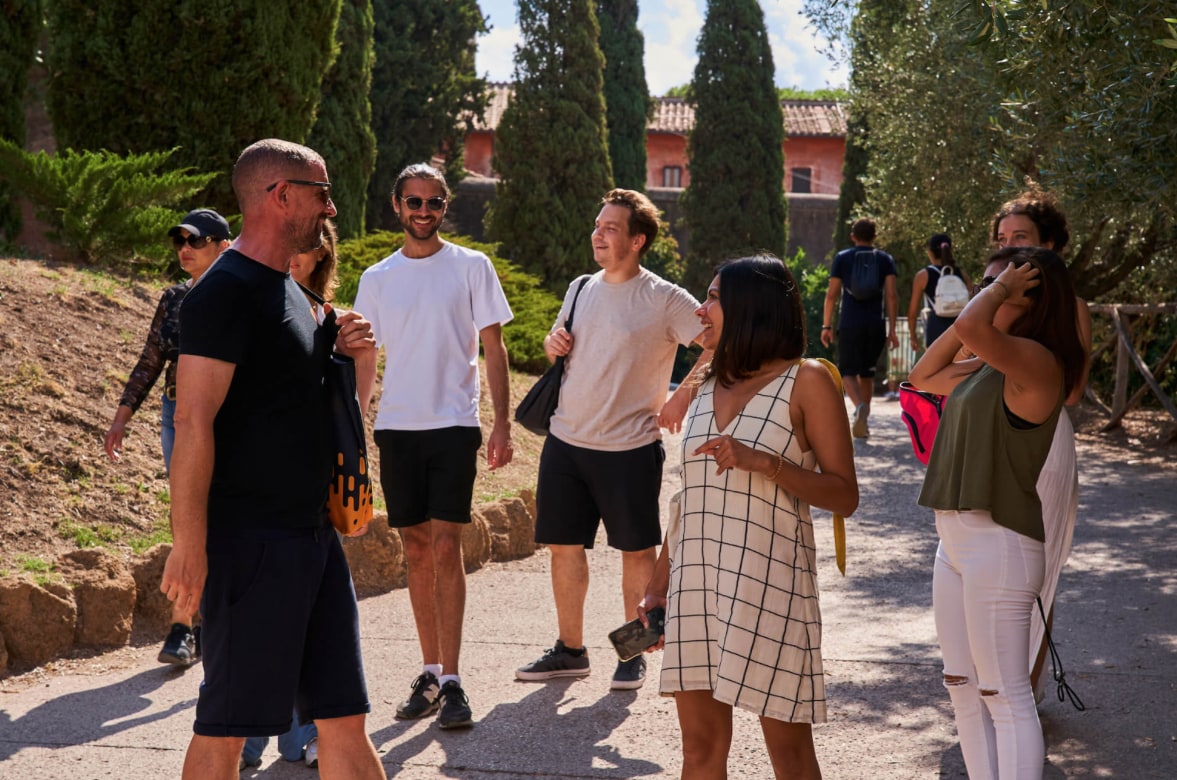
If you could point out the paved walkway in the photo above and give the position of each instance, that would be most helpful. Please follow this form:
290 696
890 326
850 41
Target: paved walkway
125 716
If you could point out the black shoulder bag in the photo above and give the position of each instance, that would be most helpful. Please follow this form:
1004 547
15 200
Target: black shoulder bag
349 497
537 407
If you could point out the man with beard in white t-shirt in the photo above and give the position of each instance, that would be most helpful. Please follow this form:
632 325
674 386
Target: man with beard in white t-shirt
603 456
430 303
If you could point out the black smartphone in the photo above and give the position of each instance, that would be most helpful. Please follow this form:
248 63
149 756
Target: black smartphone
632 639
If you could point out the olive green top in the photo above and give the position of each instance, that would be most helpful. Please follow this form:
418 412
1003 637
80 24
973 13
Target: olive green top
981 461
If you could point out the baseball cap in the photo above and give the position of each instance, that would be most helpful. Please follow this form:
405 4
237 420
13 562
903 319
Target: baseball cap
203 222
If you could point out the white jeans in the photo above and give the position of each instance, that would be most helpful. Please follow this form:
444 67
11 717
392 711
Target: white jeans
983 588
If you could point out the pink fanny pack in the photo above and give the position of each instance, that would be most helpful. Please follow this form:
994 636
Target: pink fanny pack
921 414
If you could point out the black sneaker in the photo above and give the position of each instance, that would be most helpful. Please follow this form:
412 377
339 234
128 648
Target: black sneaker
180 646
630 675
455 708
422 701
557 662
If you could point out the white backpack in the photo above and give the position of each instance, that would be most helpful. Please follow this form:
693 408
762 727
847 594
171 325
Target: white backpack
951 293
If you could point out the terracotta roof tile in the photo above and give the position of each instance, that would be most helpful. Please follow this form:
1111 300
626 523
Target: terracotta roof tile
676 115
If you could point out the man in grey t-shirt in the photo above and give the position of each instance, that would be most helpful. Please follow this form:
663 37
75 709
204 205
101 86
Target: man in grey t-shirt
603 457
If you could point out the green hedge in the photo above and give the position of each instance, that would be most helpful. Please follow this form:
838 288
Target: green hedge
535 308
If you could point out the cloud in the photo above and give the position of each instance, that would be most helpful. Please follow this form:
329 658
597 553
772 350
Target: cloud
671 29
495 58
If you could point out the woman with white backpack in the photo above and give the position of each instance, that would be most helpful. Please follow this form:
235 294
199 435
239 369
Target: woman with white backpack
945 287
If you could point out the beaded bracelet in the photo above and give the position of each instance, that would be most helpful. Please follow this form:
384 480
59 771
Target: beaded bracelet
780 464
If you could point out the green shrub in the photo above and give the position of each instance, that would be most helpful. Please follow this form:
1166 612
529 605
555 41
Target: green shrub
814 280
535 308
101 207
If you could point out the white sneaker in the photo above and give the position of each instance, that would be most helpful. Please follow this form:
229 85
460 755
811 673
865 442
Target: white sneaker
312 758
861 412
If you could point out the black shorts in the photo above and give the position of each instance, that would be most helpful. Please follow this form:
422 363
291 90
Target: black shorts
859 347
280 630
428 475
579 487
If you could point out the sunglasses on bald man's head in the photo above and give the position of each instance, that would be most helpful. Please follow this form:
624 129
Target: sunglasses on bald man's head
436 203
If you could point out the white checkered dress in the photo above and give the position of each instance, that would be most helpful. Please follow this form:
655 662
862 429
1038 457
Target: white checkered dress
743 619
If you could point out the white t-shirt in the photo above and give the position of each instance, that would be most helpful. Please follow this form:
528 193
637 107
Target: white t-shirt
426 312
624 337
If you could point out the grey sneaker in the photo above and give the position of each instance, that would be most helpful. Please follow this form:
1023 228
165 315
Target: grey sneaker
455 707
861 412
557 662
180 646
630 675
422 701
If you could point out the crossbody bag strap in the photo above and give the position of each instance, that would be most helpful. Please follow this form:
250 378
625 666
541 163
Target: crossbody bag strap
572 308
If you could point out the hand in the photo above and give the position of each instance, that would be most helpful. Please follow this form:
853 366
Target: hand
1018 279
361 531
645 605
827 337
183 577
559 342
893 340
499 448
674 410
355 333
915 344
113 443
729 454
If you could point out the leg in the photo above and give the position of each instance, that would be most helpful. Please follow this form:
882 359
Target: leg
866 390
636 570
974 728
254 747
853 387
449 595
212 758
292 744
790 746
345 751
706 726
570 579
422 578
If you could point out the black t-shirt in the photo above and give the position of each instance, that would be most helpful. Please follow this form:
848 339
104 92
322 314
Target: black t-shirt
856 312
273 461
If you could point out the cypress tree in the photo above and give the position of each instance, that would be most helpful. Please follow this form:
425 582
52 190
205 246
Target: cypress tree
206 78
627 98
424 88
551 150
343 128
20 24
735 202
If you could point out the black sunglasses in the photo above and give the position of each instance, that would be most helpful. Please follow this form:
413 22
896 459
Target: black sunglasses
436 203
323 185
196 242
988 280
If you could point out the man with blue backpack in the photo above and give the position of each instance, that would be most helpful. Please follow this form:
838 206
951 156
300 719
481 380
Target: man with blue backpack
864 277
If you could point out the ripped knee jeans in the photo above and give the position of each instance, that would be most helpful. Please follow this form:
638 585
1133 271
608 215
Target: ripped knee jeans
985 580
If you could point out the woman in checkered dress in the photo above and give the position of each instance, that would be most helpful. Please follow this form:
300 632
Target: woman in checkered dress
767 435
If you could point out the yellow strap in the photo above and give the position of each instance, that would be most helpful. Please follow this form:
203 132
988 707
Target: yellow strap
839 521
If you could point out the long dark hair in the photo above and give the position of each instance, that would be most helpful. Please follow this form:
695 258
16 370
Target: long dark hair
762 317
940 245
322 280
1051 319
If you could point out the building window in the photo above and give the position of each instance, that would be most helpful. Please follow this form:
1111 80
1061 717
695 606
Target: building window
802 180
672 176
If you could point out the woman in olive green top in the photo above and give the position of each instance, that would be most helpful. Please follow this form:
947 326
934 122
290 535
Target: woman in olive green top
992 442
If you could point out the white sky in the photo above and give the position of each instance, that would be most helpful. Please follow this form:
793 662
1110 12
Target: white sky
671 29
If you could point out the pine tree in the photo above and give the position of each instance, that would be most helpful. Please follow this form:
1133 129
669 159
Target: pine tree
551 148
627 98
155 75
343 128
20 24
424 89
735 202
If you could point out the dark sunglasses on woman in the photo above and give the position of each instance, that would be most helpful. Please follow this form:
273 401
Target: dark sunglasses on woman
196 242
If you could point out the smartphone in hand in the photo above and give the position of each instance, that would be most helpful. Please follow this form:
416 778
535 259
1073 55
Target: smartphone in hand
632 639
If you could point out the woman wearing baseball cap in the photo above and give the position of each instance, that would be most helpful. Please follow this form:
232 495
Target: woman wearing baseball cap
199 239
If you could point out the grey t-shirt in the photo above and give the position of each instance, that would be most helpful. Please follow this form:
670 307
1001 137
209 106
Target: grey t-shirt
617 374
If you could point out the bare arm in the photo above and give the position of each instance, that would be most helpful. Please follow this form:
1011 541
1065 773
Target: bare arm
201 386
499 448
833 293
675 408
913 307
891 293
1083 323
936 371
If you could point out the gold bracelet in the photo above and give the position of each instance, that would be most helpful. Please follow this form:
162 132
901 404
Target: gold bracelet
780 464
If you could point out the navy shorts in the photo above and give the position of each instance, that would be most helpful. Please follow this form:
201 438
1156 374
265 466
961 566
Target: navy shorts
859 347
579 487
280 630
428 475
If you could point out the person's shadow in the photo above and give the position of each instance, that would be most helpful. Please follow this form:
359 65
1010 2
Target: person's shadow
86 716
543 734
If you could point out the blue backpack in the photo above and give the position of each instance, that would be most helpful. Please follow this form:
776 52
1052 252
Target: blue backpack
865 281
